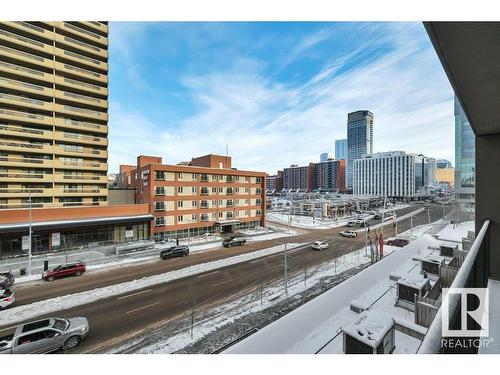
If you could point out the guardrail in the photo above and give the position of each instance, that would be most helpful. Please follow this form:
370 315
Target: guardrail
473 273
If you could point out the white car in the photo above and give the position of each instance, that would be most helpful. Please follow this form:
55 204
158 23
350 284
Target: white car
319 245
348 233
6 298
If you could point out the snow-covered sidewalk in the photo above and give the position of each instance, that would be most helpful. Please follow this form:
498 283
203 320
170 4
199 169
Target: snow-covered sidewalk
20 313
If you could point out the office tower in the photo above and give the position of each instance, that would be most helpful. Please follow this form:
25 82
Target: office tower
359 139
53 113
443 163
465 157
425 172
325 156
341 149
390 174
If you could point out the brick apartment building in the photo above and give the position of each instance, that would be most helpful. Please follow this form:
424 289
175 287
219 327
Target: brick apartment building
205 195
325 176
274 183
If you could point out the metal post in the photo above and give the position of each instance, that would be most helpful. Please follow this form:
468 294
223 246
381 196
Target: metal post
30 234
429 215
366 240
411 225
286 273
443 210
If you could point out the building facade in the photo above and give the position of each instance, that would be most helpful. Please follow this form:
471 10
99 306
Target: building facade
465 157
425 171
274 183
446 176
359 140
53 113
390 174
443 163
324 176
296 178
205 196
341 149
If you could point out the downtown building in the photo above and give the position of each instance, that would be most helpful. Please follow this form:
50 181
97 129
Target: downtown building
465 158
386 174
53 113
341 149
324 176
274 183
205 195
359 140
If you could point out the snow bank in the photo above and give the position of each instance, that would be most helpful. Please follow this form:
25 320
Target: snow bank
25 312
455 232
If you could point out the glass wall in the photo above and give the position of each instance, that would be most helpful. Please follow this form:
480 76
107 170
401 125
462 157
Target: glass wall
465 157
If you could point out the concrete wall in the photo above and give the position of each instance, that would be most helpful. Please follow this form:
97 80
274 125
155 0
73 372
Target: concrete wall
121 196
488 194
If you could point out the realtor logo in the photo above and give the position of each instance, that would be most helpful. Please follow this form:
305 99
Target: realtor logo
472 317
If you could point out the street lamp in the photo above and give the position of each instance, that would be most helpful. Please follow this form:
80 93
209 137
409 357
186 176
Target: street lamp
30 234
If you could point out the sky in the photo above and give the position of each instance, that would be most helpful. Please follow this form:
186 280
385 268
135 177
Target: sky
274 93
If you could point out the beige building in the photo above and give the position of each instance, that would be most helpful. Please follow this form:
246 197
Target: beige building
53 113
446 175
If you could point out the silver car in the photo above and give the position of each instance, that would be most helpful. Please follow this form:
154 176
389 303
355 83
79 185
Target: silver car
45 336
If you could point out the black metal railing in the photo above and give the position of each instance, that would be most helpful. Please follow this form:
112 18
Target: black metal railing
473 273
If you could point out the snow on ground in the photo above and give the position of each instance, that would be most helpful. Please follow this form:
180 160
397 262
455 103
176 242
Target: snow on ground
455 232
25 312
308 328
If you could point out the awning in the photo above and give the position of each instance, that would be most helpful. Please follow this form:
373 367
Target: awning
60 224
227 222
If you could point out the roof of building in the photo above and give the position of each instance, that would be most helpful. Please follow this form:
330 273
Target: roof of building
370 327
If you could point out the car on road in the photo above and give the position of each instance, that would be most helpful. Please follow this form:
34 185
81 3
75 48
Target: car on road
234 241
174 251
64 270
377 217
351 224
348 233
45 336
319 245
399 242
6 280
7 298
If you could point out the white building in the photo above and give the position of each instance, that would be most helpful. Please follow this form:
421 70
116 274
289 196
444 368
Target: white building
390 174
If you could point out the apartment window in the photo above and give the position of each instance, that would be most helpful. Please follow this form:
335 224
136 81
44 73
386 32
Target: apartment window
247 212
247 178
159 221
180 189
160 190
193 176
204 191
159 206
229 191
220 202
204 177
214 215
247 201
229 203
214 177
221 189
237 190
193 217
236 178
221 214
258 190
180 204
257 212
203 204
237 213
180 218
203 217
194 203
193 189
229 215
247 190
214 190
258 180
258 202
160 175
179 175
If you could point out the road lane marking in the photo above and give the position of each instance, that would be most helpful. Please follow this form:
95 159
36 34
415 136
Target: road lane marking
135 294
208 274
143 307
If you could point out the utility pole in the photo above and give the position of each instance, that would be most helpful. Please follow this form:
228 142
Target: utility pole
366 240
442 203
411 225
428 215
30 235
286 272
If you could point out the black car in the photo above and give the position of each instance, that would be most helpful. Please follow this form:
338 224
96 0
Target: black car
175 251
233 241
377 217
6 280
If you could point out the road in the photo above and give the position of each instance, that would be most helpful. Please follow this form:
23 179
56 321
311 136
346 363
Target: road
117 319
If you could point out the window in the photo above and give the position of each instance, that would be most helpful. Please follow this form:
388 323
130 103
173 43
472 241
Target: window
159 221
229 203
204 177
203 204
193 176
179 175
160 190
214 202
193 203
160 175
237 190
214 190
159 206
258 180
221 189
204 190
258 190
180 204
203 217
180 218
180 189
193 217
221 202
257 212
258 202
221 214
247 190
193 189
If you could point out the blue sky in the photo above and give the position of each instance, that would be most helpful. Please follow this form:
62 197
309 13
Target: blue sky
277 93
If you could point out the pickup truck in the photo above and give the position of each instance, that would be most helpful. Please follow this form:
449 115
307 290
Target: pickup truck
45 336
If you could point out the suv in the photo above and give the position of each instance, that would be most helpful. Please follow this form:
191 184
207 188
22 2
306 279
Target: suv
45 336
351 224
174 251
229 242
348 233
6 280
74 269
319 245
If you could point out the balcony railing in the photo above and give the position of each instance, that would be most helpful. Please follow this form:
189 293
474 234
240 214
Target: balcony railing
473 273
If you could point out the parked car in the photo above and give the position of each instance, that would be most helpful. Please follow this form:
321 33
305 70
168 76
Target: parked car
351 224
319 245
399 242
174 251
7 298
234 241
45 336
65 270
348 233
6 280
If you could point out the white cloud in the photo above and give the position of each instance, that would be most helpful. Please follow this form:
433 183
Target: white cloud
268 125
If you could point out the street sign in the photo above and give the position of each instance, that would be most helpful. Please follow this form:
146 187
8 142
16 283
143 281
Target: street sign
25 243
56 239
129 233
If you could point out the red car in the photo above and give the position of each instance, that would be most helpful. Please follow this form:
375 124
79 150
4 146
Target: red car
74 269
399 242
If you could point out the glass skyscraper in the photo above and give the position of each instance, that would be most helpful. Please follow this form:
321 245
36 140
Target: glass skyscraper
465 157
359 139
340 149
